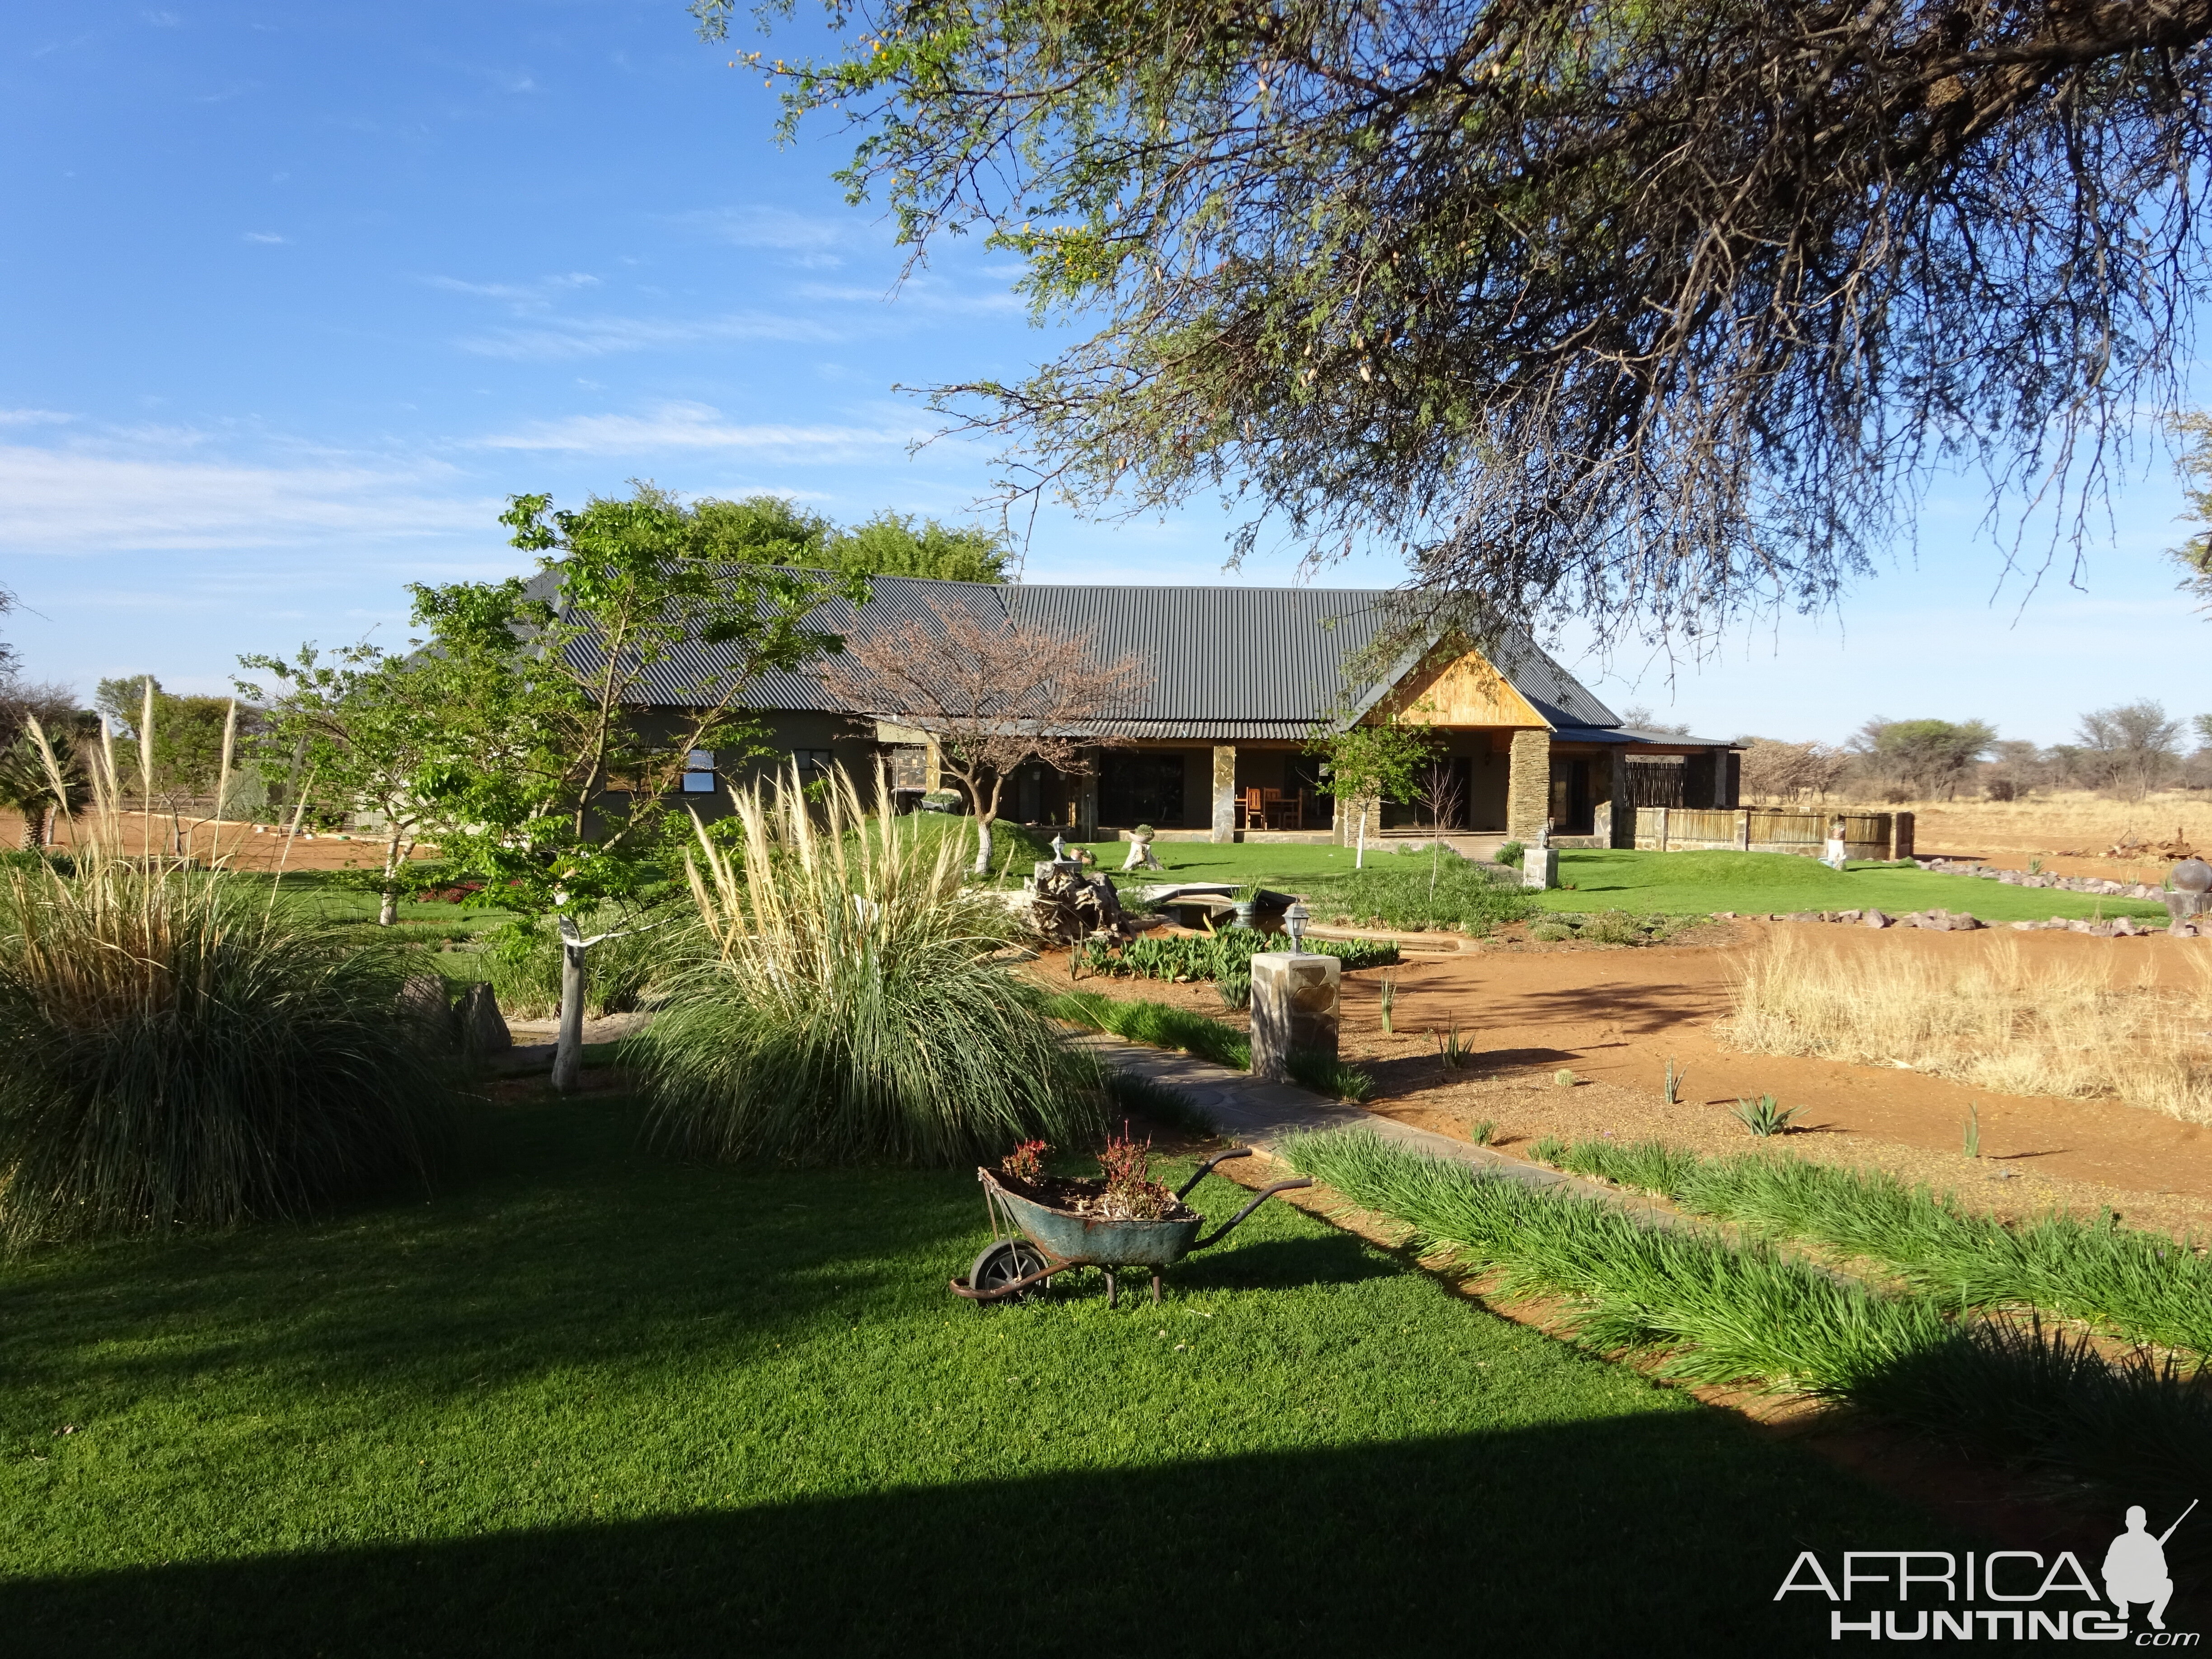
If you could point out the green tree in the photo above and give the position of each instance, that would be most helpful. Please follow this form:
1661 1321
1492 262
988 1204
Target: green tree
373 731
2130 747
1369 763
2194 555
557 795
1927 760
1651 311
770 529
190 755
891 544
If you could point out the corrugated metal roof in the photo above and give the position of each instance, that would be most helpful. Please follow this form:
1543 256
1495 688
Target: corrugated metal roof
1225 661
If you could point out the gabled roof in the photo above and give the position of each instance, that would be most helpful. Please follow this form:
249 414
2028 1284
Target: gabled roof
1226 662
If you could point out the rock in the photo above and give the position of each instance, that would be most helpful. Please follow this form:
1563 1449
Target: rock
424 1004
1724 916
1803 915
2125 928
1851 916
482 1030
1875 919
2026 926
1965 924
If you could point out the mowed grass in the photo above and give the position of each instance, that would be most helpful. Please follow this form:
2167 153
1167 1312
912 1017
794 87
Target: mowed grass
1689 884
1672 884
587 1401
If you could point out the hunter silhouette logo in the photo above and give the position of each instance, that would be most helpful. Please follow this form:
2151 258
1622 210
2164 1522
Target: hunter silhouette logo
2015 1595
2135 1566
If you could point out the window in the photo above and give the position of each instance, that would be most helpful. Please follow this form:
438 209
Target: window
813 763
699 772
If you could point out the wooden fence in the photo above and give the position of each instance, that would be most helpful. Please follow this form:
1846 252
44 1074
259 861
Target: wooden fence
1754 830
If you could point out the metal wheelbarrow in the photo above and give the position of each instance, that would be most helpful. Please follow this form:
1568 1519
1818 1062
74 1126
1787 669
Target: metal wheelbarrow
1042 1239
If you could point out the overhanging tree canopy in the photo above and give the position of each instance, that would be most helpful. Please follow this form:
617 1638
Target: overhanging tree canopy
1651 310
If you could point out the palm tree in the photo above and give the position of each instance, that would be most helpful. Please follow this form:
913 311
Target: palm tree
25 785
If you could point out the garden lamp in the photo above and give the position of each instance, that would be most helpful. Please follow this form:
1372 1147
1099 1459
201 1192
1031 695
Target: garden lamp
1295 918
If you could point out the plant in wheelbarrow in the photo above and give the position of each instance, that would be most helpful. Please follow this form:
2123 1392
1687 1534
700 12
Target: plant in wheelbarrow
856 1000
1042 1225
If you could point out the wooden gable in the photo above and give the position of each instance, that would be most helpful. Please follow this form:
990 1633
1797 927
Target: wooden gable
1456 686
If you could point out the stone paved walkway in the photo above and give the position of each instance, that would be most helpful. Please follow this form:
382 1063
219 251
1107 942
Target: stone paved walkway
1257 1114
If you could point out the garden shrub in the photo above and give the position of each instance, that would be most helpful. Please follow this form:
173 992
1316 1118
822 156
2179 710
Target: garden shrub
1228 953
851 1003
623 972
1449 893
182 1052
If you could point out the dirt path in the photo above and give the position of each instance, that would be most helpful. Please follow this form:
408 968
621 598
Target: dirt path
1614 1016
246 845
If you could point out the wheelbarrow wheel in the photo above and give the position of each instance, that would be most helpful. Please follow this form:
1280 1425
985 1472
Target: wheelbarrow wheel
1003 1263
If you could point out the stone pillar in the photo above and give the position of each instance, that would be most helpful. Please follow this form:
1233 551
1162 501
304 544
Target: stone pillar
1294 1009
1529 785
1539 867
1225 792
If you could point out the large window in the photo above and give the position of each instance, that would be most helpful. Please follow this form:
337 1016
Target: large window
1143 787
699 772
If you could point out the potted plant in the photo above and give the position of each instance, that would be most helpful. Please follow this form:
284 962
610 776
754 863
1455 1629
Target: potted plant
1248 902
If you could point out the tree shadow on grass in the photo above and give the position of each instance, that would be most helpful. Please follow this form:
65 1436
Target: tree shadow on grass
1663 1534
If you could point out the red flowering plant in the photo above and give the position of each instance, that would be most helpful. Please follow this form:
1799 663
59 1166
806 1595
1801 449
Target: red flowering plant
1132 1194
1025 1163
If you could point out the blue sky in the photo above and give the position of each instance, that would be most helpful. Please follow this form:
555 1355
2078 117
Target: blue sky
292 297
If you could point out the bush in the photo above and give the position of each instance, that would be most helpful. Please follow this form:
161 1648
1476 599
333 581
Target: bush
1227 954
622 972
182 1053
852 1005
1325 1074
1608 928
1157 1024
1510 854
1451 892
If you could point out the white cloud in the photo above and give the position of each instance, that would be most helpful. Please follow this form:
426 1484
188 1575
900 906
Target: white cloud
34 417
699 426
266 236
768 227
599 336
90 500
531 294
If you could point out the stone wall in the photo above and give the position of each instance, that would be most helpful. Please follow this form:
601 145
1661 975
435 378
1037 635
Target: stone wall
1529 785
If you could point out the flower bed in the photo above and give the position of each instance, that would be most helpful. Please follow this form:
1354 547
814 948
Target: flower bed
1228 952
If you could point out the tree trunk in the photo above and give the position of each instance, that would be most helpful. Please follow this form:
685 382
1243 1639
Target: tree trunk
387 910
568 1051
34 825
1360 857
982 845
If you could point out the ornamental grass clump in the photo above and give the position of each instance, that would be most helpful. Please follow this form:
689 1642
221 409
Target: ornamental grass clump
853 1003
184 1052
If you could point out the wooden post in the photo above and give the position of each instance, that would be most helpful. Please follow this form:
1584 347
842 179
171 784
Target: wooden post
1663 815
1743 830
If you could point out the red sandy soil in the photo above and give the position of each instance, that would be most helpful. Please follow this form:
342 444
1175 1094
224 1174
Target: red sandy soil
245 846
1614 1016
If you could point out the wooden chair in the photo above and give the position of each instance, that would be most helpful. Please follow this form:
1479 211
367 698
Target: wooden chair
1251 809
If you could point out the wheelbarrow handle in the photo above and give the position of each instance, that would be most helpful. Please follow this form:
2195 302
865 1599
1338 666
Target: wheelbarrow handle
1200 1173
1264 1194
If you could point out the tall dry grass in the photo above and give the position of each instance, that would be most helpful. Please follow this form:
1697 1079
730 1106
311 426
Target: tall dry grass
2073 820
2074 1030
180 1050
856 1004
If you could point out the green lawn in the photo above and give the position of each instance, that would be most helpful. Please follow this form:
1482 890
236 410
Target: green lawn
1692 882
588 1402
1678 883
